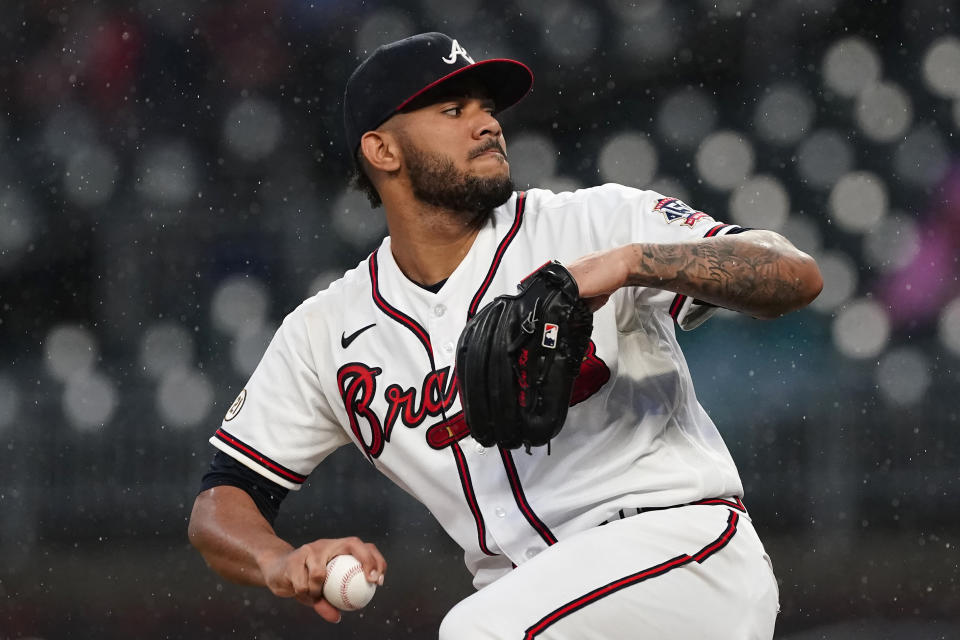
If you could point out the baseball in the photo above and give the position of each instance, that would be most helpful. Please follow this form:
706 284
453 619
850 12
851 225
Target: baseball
346 587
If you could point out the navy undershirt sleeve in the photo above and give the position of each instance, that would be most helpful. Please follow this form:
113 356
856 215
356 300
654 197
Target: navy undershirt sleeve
266 494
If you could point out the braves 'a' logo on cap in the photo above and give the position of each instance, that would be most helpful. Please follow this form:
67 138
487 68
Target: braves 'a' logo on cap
457 50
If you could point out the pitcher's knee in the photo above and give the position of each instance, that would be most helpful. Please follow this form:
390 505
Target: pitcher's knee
456 623
474 620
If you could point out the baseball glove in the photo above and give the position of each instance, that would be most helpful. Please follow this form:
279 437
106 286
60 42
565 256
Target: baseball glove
518 357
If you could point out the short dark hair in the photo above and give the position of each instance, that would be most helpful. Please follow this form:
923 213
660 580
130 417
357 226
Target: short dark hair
361 181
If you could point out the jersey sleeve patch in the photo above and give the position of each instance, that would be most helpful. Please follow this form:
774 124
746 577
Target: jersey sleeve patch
236 406
674 209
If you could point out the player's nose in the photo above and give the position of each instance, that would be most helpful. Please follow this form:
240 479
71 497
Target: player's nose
486 125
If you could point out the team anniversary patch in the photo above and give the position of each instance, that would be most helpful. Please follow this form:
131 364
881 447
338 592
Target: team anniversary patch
674 209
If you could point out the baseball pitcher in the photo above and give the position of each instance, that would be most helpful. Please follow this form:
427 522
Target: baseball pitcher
509 358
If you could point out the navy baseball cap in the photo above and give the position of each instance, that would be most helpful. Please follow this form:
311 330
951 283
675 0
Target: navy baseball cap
395 74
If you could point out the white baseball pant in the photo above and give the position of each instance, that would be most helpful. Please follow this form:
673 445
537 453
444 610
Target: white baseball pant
691 572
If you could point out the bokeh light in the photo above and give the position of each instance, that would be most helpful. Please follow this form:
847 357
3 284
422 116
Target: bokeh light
252 128
69 129
903 375
861 329
672 188
69 349
89 401
573 28
165 346
804 233
652 36
559 184
167 173
948 326
628 158
724 159
18 224
533 158
686 117
851 65
884 111
322 280
840 280
761 201
923 158
91 176
184 398
784 114
823 157
238 302
892 243
919 290
858 201
355 221
248 347
941 67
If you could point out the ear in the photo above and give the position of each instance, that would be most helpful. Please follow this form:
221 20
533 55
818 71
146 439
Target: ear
380 150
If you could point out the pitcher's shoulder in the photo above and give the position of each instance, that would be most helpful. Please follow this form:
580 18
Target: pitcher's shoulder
609 194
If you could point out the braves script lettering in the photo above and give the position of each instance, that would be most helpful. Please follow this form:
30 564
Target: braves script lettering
358 383
435 397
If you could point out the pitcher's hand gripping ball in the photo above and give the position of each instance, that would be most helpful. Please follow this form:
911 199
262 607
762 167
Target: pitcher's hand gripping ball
518 357
346 587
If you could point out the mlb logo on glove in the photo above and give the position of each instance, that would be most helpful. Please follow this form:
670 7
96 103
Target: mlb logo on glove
550 335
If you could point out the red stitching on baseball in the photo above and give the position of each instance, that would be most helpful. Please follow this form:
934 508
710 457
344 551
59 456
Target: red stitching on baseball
345 580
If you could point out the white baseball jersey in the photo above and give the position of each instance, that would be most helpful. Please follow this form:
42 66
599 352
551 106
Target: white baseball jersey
370 361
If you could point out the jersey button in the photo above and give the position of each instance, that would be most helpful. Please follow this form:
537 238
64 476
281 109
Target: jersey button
439 310
448 348
481 449
500 512
531 552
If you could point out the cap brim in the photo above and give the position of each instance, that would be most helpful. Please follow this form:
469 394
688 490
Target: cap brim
506 81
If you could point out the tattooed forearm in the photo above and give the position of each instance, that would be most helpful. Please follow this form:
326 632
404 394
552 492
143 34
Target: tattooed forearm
757 272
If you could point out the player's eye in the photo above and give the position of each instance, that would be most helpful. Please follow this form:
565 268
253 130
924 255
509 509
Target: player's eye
454 110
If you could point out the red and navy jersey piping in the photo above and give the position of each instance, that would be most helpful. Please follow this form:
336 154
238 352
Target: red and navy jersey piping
261 460
471 497
392 312
538 525
421 334
715 230
498 256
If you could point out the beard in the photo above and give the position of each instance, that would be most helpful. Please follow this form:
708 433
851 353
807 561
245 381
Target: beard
436 181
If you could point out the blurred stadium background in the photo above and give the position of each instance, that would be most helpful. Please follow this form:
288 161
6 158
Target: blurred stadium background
174 181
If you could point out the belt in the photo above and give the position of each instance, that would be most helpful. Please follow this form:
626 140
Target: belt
734 503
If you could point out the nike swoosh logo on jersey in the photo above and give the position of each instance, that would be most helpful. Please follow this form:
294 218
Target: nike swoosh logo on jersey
345 340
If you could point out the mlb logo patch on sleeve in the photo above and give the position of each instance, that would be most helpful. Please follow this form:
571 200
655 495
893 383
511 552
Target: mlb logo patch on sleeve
674 209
